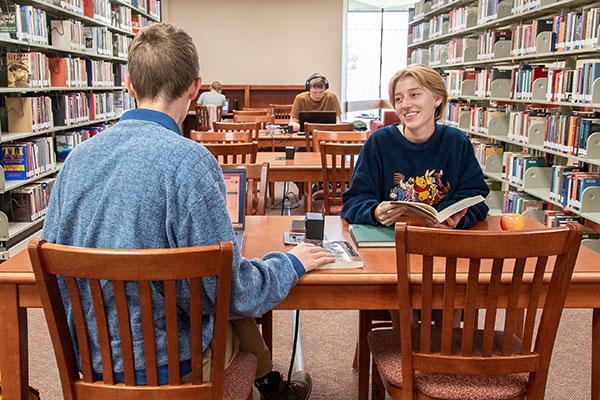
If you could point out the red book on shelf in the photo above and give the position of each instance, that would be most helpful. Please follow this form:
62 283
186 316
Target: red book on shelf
58 72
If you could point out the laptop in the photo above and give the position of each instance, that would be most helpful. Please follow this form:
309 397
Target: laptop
317 117
235 195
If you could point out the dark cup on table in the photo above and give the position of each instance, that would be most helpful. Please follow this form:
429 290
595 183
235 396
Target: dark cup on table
290 152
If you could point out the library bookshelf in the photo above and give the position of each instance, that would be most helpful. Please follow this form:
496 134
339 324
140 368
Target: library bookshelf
63 81
523 78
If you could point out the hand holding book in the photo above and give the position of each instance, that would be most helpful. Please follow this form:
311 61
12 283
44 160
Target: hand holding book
388 212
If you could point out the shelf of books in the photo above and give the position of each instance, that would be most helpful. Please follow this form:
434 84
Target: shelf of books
523 78
62 82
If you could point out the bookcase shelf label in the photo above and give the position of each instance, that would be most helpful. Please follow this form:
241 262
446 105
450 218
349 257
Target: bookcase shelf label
593 147
590 200
537 134
500 88
502 49
537 178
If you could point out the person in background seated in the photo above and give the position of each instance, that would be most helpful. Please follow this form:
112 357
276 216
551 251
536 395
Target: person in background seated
317 97
416 160
214 96
141 184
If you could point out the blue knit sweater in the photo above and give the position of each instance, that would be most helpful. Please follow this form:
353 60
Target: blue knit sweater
140 184
439 172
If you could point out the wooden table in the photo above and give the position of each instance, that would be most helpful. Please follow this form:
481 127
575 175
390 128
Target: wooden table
370 288
305 167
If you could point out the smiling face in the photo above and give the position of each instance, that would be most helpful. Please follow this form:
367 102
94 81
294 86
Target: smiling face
415 105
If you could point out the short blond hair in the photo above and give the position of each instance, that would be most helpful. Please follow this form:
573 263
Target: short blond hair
216 85
426 77
162 62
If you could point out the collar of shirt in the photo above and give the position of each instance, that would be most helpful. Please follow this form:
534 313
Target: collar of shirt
145 114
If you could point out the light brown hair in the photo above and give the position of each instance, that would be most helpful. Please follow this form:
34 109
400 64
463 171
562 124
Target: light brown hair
428 78
162 62
216 86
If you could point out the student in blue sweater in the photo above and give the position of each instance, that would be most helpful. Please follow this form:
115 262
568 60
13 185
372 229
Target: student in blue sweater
141 184
416 160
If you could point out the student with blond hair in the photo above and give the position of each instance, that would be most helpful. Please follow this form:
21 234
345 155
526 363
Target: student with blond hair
418 159
141 184
213 97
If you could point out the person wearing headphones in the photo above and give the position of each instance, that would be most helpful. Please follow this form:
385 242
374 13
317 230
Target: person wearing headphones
214 96
317 97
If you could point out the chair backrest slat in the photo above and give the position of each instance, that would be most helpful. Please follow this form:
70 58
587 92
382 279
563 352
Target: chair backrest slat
172 331
310 127
471 312
221 137
148 329
233 153
95 273
281 111
80 329
102 326
491 307
448 311
253 127
263 120
319 136
483 271
532 307
196 329
125 332
426 307
513 310
203 116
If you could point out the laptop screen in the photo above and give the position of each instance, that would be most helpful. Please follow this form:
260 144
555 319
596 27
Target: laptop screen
235 192
317 117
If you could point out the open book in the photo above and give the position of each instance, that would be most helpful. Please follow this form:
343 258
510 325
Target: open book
426 211
345 255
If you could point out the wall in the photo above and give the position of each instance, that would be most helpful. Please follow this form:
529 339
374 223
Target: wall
263 41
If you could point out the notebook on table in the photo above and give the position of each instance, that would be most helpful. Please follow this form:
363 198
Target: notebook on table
235 195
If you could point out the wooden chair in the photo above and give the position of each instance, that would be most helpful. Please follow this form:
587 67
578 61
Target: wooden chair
85 267
203 117
233 153
268 110
253 127
221 137
281 112
337 164
337 137
309 128
497 270
257 177
263 120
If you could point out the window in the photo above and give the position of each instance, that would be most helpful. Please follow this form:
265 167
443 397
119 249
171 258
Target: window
376 49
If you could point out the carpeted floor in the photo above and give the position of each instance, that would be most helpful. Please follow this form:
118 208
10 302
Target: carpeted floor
329 338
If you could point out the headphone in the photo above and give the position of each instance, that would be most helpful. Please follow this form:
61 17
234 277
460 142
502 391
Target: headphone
313 76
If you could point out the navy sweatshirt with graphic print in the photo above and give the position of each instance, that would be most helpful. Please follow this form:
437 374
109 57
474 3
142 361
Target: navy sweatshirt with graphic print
439 172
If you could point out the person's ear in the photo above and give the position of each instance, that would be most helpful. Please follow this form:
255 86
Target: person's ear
130 87
194 88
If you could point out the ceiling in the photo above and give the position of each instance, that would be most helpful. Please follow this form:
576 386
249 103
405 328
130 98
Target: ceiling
377 5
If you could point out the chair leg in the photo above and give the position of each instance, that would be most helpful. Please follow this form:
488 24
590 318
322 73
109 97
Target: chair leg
355 362
364 355
272 191
266 322
377 389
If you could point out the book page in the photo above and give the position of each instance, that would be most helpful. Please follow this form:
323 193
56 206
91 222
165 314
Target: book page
458 206
418 209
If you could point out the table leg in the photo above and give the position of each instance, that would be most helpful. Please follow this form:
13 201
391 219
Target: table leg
309 193
13 345
596 354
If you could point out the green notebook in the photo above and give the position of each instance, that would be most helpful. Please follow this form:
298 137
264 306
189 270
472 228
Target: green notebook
373 236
